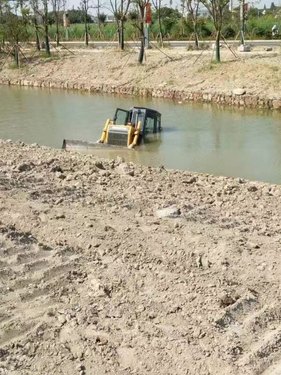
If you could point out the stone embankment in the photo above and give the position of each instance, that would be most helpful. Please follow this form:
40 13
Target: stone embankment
238 97
250 81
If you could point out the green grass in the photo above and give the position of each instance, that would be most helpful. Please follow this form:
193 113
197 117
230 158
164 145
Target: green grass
13 65
258 27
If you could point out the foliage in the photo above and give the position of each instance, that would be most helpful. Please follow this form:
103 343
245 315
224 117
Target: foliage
229 31
77 16
217 11
205 28
257 26
169 17
52 17
102 18
253 12
260 27
133 16
13 28
170 13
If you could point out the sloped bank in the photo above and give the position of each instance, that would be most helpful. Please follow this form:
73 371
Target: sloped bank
238 98
113 268
252 80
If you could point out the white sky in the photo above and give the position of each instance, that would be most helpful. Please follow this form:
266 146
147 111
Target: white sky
258 3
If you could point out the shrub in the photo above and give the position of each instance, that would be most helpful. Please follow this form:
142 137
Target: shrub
229 31
205 30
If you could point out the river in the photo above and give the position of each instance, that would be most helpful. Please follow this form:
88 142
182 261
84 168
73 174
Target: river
201 138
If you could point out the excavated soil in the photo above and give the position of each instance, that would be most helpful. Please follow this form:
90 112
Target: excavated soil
257 72
112 268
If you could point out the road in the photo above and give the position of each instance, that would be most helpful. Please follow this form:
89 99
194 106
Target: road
173 43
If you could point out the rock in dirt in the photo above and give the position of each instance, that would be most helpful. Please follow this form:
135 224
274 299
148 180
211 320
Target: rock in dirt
238 92
168 212
25 167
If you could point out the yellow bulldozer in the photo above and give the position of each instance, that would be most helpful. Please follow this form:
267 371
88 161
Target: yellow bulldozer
127 129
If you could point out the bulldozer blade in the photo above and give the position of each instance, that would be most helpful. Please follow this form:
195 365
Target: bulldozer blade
84 146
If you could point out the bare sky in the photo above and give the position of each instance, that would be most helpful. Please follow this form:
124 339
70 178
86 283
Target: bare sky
259 4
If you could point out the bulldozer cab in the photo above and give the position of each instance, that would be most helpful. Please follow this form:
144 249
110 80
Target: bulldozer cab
121 117
127 129
148 119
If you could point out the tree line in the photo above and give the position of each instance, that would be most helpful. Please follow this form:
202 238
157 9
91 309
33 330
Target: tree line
23 20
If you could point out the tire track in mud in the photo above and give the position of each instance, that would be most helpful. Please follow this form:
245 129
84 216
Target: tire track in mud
30 279
253 334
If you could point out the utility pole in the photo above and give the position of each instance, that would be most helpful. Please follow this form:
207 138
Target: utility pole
243 9
148 20
66 24
242 22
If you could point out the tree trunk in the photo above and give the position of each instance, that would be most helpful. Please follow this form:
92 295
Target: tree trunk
57 31
47 44
99 23
86 38
160 29
37 40
141 54
122 43
119 33
16 54
218 56
86 29
142 36
121 27
196 39
37 35
46 28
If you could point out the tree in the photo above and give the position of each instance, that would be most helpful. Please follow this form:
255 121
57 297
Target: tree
138 19
192 8
85 6
98 6
253 12
45 17
3 5
120 10
158 7
169 18
102 23
35 9
57 5
77 16
272 6
216 10
13 27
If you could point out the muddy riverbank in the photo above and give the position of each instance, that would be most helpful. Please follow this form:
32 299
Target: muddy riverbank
111 268
250 79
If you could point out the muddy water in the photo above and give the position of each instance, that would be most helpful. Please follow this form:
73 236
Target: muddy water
195 137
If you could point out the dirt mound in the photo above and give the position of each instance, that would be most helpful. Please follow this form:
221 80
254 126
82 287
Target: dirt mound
108 267
254 73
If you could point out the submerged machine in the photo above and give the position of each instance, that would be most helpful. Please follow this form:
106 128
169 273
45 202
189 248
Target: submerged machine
127 129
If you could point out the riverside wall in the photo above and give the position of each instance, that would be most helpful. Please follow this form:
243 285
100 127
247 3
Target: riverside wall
236 99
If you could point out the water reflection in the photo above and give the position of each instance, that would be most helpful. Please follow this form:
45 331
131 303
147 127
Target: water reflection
201 138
